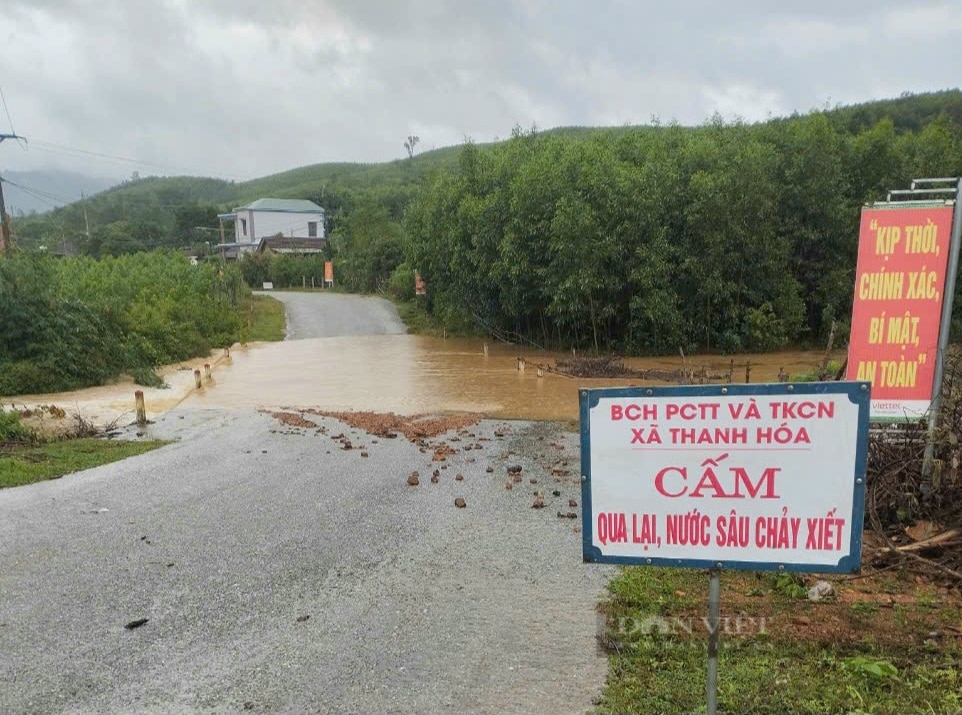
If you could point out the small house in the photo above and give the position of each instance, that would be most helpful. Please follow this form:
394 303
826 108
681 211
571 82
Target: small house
267 218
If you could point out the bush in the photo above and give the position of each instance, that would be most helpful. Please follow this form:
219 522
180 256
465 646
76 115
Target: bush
819 373
79 322
284 271
148 378
763 330
11 428
401 283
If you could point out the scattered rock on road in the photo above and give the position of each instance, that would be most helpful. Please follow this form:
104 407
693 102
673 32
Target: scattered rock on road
460 503
291 419
389 425
413 479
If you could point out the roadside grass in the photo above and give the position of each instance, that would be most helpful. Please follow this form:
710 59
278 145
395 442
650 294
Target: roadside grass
420 322
867 651
264 319
28 463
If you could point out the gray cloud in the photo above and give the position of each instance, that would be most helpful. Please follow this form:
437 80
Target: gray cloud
242 88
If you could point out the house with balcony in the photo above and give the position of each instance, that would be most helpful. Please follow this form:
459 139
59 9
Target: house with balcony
268 218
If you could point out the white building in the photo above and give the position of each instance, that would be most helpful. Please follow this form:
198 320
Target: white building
264 218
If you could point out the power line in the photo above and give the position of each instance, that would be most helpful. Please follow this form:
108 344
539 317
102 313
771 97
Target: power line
34 194
38 193
10 120
73 151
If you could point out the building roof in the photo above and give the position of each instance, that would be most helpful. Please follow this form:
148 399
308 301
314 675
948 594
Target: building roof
286 205
286 244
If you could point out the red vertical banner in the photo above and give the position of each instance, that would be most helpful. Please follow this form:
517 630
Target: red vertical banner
899 284
419 287
328 271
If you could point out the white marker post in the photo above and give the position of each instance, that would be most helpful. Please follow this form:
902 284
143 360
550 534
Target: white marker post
750 477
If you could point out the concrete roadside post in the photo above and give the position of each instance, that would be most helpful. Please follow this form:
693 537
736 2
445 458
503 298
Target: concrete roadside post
140 407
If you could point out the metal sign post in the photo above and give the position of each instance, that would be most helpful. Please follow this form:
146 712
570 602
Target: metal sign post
714 608
750 477
944 327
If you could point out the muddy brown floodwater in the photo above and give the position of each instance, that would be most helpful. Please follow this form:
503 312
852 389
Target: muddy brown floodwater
417 374
406 374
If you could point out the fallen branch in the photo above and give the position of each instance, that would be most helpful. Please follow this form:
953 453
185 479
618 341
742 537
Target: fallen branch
893 549
932 564
943 539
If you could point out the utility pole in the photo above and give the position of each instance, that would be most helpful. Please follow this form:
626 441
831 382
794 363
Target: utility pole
83 200
6 242
6 237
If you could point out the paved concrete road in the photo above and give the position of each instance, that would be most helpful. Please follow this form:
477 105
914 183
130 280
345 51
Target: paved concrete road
280 573
327 315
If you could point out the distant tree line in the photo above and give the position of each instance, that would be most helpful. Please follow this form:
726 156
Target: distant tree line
724 237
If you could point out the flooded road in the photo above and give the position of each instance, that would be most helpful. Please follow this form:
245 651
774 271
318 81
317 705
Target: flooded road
412 373
406 374
386 371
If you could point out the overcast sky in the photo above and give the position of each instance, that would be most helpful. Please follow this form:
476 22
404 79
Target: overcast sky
244 88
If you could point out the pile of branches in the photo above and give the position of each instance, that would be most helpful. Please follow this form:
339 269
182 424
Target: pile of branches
614 366
916 506
595 366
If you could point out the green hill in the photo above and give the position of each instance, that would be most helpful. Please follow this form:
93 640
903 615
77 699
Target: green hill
166 211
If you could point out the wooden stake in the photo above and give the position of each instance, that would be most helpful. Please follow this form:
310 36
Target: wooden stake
141 409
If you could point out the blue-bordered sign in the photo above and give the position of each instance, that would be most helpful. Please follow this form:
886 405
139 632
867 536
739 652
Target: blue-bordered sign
758 477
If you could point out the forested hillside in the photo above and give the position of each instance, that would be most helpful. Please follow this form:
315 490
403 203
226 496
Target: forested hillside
722 237
181 211
719 237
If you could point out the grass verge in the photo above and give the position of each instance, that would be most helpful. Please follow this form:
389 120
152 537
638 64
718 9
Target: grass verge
420 322
883 645
264 319
26 464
